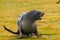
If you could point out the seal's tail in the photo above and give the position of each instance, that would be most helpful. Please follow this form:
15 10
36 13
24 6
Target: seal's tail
10 30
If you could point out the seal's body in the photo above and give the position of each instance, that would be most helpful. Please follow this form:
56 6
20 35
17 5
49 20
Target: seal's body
26 23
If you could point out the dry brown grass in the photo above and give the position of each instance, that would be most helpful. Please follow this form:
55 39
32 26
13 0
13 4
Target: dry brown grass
50 24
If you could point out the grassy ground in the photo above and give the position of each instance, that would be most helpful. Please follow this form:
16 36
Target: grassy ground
50 24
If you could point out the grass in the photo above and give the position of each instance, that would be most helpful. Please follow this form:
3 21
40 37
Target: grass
50 24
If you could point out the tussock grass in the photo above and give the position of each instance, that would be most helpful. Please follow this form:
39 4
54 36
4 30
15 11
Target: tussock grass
50 24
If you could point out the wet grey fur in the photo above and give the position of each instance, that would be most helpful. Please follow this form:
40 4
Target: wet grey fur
26 23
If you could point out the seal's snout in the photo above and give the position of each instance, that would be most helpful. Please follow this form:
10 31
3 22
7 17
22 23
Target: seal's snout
42 14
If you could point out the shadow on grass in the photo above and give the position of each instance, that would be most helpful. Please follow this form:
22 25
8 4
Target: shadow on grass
15 37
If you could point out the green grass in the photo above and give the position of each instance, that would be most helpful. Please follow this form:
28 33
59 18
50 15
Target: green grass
50 24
